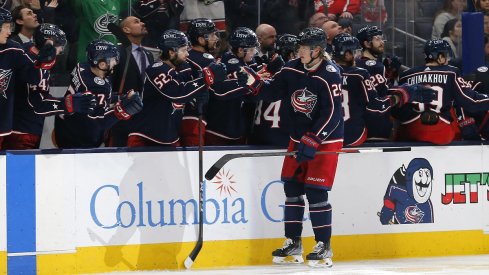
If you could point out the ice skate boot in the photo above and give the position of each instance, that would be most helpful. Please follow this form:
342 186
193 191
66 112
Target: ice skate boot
290 253
320 256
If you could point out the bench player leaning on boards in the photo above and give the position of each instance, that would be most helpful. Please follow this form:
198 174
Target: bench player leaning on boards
359 94
33 102
87 130
313 84
14 63
431 122
169 86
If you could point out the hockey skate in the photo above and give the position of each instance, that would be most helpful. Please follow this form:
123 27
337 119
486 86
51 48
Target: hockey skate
320 256
290 253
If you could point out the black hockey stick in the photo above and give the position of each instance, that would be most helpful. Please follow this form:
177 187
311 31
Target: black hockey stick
121 36
216 167
200 240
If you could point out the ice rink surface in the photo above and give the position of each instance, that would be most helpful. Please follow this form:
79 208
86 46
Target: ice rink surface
458 265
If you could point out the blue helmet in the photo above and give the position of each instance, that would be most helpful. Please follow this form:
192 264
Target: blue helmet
5 16
172 40
286 43
101 50
434 47
243 38
367 33
200 27
49 31
312 37
344 42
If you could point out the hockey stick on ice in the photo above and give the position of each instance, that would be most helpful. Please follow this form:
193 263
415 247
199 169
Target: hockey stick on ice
216 167
200 240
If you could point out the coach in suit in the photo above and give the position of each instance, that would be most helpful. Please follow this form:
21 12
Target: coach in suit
139 59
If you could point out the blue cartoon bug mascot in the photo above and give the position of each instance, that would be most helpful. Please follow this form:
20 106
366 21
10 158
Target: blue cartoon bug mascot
407 198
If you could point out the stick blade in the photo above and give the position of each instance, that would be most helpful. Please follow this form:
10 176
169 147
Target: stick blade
212 172
188 263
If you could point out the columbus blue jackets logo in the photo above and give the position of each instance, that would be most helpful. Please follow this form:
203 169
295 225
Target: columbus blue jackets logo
101 23
5 76
407 198
304 101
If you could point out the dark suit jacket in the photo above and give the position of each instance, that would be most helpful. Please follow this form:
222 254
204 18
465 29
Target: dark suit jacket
133 80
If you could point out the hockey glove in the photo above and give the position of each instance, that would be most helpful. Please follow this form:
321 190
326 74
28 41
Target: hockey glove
215 72
254 81
469 129
46 58
82 103
413 93
128 106
392 67
276 64
242 78
387 212
307 147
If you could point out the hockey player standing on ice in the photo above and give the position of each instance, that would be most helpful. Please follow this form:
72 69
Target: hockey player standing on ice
272 119
169 86
372 41
87 130
313 84
359 94
33 102
14 63
431 122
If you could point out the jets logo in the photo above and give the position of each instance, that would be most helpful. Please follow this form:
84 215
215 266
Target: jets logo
304 101
101 23
5 76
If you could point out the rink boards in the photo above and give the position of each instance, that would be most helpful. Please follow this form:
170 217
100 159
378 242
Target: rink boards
89 212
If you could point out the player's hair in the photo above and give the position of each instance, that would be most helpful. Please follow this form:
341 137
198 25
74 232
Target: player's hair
17 14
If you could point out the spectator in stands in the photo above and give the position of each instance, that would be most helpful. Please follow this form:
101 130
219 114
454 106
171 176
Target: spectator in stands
25 24
451 10
345 25
486 23
339 8
331 28
241 13
43 9
318 19
482 5
159 16
452 33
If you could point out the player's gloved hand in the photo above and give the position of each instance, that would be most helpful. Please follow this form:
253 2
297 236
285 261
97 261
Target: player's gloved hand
392 66
128 106
254 81
46 57
82 103
215 72
307 147
469 129
386 215
417 92
275 64
242 78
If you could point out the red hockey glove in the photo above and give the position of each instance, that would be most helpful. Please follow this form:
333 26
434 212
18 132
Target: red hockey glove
215 72
469 129
82 103
128 106
307 147
46 57
275 64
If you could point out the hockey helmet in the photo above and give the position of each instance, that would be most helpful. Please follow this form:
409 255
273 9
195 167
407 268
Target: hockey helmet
312 37
286 43
243 38
344 42
200 27
101 50
434 47
5 16
172 40
367 33
48 31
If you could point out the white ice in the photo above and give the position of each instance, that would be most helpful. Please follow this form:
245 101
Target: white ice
457 265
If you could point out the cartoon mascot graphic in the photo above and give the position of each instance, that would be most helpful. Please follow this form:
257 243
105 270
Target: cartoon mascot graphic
407 198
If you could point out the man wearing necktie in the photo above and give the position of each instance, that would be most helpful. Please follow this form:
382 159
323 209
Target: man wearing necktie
139 60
